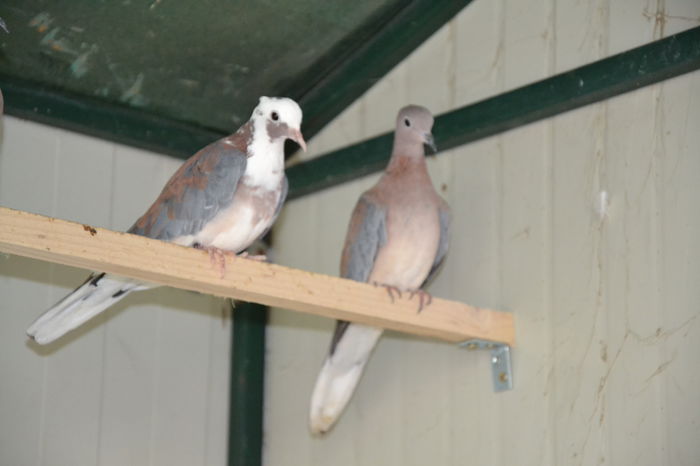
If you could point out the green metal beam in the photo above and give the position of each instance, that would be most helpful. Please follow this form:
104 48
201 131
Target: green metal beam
370 59
627 71
323 92
245 434
114 122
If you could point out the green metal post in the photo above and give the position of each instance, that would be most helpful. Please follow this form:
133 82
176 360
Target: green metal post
247 383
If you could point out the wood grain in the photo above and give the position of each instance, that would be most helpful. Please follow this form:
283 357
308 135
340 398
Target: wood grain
85 246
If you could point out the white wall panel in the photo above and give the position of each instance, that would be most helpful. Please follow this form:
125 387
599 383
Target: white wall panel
23 372
147 382
606 307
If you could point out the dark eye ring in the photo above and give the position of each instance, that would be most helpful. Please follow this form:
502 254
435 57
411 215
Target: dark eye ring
407 122
275 116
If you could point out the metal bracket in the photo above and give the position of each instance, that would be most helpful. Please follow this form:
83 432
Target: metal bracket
501 366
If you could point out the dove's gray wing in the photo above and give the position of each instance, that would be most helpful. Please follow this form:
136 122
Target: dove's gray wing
199 190
366 235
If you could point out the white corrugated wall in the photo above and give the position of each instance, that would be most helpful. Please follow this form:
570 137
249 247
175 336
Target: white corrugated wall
145 384
607 366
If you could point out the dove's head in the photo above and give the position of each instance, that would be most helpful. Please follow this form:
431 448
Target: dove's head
413 126
281 119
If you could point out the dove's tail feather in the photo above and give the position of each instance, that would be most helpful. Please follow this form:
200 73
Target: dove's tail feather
340 374
92 297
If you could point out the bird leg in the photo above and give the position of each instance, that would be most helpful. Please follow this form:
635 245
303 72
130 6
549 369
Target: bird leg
390 290
217 257
424 298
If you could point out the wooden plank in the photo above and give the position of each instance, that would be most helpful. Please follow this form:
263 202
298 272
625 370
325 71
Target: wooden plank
163 263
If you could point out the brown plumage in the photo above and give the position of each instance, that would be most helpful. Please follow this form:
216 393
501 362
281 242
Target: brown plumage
397 237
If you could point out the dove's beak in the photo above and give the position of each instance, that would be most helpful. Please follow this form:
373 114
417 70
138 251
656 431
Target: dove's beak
296 136
430 142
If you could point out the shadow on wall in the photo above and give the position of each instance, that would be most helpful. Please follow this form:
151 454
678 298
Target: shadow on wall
66 278
297 321
1 119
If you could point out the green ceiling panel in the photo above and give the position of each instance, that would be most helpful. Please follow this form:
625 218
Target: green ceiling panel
171 76
204 61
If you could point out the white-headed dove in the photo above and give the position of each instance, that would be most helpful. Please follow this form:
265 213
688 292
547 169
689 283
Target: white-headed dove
397 238
222 198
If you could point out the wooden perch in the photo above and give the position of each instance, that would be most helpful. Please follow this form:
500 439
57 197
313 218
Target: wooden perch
164 263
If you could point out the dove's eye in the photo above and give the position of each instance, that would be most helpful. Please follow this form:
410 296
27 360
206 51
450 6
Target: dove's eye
275 116
407 122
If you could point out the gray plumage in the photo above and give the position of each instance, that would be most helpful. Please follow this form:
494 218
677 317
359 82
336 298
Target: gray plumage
369 238
195 194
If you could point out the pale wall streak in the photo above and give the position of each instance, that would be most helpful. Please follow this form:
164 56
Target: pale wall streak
606 367
145 384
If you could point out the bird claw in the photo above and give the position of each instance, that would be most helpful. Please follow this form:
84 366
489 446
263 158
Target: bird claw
424 299
217 257
390 290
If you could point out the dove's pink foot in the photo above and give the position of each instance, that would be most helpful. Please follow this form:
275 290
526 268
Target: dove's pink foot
424 298
217 257
390 290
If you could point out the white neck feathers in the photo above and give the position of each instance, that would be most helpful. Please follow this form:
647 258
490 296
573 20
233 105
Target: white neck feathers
265 158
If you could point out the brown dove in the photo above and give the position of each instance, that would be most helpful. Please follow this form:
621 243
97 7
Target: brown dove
397 238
